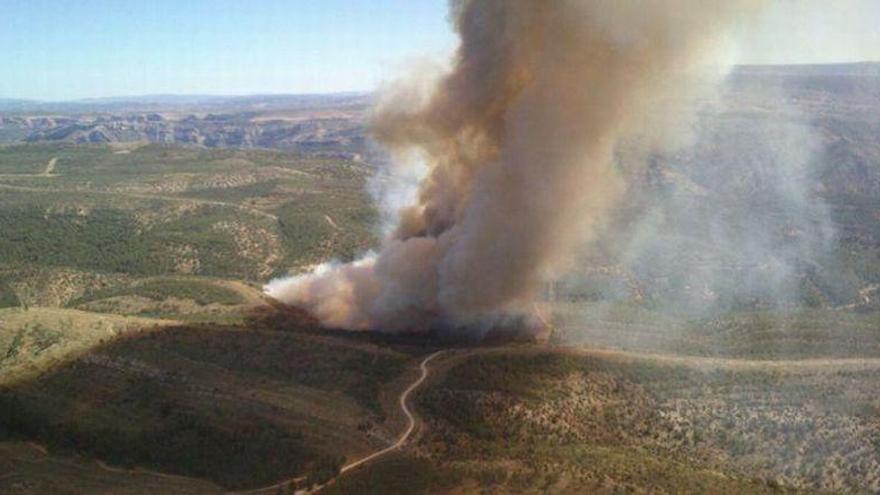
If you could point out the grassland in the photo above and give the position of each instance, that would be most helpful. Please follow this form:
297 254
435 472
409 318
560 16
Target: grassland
8 297
133 332
29 469
746 402
129 278
259 402
181 298
37 339
763 335
158 210
565 421
150 230
159 290
25 159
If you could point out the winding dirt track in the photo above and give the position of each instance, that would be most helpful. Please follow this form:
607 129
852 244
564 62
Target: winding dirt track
48 172
401 440
409 416
50 168
172 199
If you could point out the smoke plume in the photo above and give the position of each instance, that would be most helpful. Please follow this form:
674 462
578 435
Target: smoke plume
517 139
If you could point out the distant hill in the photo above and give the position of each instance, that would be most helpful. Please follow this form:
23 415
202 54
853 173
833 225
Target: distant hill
867 69
730 324
853 80
185 103
318 124
335 122
12 105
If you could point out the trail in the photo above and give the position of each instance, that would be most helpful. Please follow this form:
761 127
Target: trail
50 168
331 222
141 471
49 172
47 458
248 209
252 295
401 440
409 416
833 364
805 364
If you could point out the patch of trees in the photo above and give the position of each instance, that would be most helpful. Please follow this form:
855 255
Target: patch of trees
112 240
8 297
397 474
309 237
104 239
159 290
245 453
296 358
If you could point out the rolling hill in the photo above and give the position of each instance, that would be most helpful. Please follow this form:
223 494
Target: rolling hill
138 355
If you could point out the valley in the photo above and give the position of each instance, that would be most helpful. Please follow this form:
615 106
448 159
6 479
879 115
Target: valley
138 353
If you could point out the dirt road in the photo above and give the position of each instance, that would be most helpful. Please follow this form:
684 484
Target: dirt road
401 440
409 416
48 172
50 168
173 199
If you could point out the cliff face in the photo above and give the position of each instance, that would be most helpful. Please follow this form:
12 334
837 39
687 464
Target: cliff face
338 134
331 124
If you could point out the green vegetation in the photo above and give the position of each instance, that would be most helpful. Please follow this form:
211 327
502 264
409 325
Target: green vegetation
158 231
316 227
25 159
586 420
27 464
312 362
247 194
154 231
252 401
397 474
251 452
103 240
798 333
158 290
113 240
38 340
161 210
8 297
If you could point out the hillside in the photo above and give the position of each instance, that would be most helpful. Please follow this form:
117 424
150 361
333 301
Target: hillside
570 421
720 336
326 125
151 210
270 400
130 279
770 203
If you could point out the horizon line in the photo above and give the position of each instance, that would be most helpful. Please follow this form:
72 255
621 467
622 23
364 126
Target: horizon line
129 98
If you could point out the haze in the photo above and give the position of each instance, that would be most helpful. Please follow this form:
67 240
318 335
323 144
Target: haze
97 48
504 246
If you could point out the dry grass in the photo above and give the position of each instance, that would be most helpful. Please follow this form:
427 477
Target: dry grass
38 339
599 421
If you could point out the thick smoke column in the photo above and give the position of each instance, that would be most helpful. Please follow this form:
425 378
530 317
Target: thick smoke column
518 141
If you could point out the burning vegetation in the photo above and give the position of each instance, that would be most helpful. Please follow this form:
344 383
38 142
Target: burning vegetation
518 141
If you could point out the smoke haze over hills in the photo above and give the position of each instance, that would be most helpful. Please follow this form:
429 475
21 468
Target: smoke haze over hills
518 140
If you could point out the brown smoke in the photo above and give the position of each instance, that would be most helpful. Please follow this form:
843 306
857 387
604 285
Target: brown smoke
518 139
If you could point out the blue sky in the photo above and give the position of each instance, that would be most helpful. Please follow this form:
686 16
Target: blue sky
66 49
62 49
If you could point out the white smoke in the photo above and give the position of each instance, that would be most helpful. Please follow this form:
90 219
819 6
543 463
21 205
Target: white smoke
518 141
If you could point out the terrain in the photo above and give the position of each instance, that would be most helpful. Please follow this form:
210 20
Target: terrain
139 355
113 254
330 125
